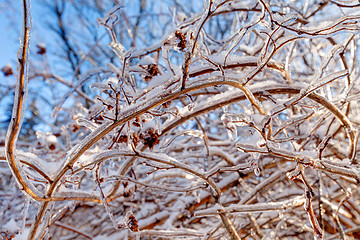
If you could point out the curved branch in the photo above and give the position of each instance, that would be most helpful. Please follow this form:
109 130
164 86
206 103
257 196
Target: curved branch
18 108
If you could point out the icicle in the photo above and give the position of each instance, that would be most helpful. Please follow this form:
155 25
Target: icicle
281 214
254 163
230 122
257 171
72 206
46 234
24 213
105 203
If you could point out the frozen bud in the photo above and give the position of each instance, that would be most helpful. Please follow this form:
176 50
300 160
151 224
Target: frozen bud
152 70
181 17
7 70
48 140
190 106
257 171
41 49
150 137
180 40
264 23
51 141
261 143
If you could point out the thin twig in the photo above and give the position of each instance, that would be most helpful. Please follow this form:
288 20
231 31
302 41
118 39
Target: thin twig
19 104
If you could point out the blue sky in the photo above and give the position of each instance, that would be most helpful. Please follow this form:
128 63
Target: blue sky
10 30
10 34
9 40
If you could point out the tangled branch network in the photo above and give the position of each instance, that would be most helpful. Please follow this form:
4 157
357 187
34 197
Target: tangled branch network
241 122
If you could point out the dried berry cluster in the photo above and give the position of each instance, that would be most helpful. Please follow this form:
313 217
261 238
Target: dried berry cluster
152 71
7 71
182 40
132 223
150 138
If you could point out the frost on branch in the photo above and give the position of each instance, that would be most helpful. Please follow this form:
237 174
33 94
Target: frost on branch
215 120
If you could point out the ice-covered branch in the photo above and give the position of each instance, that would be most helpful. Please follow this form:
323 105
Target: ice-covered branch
257 207
19 105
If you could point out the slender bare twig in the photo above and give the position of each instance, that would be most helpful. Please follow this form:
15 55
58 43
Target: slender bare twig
70 228
19 104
